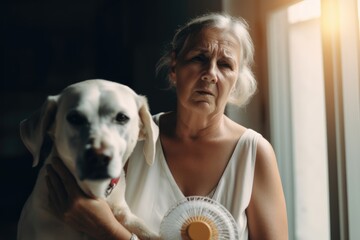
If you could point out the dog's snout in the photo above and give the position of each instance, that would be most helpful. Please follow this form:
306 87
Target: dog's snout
95 164
96 157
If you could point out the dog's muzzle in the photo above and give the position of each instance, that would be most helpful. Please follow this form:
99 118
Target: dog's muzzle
94 165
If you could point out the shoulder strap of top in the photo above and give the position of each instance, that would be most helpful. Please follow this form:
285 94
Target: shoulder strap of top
156 117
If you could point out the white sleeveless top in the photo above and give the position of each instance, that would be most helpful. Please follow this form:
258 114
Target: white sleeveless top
151 190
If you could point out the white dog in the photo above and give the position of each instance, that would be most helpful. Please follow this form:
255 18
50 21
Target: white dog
94 126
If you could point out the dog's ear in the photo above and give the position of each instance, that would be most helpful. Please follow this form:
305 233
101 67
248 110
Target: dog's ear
149 131
34 128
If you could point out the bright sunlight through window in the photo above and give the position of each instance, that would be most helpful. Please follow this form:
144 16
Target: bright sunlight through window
304 10
358 5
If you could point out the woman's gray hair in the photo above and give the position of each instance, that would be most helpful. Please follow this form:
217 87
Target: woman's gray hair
246 84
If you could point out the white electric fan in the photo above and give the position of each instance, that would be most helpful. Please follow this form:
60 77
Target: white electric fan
198 218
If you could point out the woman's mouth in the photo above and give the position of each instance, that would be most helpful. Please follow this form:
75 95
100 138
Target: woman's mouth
204 92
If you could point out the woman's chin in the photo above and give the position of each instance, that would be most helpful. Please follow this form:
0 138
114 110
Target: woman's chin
204 107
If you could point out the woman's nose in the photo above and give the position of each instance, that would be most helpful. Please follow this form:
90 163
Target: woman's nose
209 74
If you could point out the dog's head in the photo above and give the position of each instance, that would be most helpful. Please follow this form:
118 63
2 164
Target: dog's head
95 125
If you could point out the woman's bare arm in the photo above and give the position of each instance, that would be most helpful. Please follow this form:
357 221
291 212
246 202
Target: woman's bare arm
266 212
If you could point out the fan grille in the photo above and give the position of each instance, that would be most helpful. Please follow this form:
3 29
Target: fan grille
195 208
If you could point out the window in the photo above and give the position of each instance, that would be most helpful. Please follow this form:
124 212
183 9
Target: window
298 86
313 49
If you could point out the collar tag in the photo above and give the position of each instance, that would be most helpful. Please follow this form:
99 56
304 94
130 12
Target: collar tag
111 186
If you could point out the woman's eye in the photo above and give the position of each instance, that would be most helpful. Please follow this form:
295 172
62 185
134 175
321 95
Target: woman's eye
121 118
198 58
225 65
76 118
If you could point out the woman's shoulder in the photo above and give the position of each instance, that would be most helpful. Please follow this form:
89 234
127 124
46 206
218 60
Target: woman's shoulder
265 150
262 147
266 163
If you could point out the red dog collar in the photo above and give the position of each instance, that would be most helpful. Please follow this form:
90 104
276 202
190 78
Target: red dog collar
111 186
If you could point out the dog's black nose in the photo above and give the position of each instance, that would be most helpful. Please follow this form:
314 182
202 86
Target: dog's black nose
94 165
93 157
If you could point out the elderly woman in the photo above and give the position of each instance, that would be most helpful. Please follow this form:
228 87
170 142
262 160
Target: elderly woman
200 150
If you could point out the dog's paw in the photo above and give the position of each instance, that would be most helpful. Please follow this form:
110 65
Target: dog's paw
140 230
134 224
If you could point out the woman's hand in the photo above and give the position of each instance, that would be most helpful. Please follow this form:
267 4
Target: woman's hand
92 216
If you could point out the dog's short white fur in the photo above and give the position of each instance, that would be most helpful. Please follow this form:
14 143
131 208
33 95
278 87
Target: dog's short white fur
94 126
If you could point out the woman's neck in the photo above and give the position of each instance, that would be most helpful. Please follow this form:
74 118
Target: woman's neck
196 126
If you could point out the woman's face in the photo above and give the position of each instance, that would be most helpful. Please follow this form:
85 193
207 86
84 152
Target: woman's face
206 70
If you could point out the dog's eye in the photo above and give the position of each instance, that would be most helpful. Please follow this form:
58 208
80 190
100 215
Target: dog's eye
121 118
76 118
